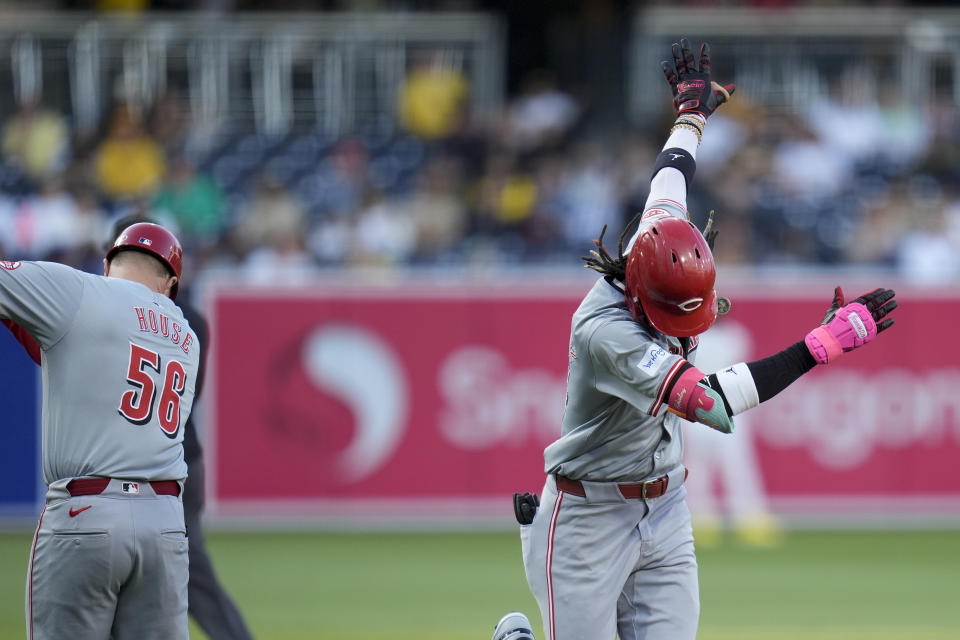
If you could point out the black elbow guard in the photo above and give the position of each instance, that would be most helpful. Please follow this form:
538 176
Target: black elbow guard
679 159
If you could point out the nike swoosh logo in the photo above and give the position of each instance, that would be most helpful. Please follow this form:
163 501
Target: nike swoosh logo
75 512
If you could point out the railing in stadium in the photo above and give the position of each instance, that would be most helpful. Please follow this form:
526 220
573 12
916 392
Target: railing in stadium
338 72
786 58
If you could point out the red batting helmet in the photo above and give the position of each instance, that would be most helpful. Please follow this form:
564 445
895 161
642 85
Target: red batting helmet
670 276
154 240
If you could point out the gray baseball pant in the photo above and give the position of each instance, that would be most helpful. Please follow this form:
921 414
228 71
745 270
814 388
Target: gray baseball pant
603 565
110 565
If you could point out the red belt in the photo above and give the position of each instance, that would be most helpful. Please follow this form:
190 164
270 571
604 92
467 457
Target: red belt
96 486
636 490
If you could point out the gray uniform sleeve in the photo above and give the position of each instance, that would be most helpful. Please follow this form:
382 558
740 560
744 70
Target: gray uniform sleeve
632 366
42 297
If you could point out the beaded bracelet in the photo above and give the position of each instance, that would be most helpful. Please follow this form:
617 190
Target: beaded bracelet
685 124
692 122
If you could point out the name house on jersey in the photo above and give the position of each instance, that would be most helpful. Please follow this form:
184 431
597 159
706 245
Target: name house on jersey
161 324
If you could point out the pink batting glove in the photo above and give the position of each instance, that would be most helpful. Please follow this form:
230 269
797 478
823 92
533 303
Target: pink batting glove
852 327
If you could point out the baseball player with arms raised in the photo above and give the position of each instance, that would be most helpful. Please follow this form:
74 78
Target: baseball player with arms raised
109 558
610 550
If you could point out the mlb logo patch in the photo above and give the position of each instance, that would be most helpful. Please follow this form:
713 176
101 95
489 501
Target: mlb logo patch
145 241
132 488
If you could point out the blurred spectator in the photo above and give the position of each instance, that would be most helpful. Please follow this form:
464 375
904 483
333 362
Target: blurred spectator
121 6
928 252
92 226
541 116
505 195
337 185
128 163
193 200
433 98
437 208
848 119
809 166
905 134
330 239
590 196
36 140
882 226
272 235
48 222
169 121
384 233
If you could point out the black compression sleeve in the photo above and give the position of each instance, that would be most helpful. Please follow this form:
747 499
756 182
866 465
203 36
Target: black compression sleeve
774 374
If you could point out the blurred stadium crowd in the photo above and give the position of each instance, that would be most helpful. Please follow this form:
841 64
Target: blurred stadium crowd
857 177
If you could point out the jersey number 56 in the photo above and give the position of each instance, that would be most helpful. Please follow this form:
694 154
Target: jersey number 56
136 405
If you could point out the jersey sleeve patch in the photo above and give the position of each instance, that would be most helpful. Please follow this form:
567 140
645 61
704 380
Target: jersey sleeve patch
10 265
653 360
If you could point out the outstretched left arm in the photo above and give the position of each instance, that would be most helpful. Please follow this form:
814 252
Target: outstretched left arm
715 398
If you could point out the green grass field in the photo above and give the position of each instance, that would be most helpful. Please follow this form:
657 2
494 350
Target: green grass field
814 586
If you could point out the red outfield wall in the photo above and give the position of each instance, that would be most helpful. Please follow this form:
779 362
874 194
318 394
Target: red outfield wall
416 400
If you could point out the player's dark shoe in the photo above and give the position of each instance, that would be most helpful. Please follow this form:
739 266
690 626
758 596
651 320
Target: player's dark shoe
513 626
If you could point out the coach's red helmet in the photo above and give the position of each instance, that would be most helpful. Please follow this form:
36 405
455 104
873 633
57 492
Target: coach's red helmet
152 239
670 276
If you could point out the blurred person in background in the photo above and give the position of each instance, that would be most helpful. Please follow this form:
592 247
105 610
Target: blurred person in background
48 221
271 236
383 233
91 224
882 225
37 141
128 163
847 119
541 117
169 122
927 253
806 166
433 97
438 210
727 490
503 198
590 194
193 200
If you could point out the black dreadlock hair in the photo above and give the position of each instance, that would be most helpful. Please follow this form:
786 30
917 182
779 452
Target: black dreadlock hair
612 268
616 268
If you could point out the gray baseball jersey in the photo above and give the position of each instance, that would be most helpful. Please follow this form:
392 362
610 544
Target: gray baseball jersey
119 362
616 426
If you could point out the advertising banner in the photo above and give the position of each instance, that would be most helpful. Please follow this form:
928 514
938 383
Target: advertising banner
428 395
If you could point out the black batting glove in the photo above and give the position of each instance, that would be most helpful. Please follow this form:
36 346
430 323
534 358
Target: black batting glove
879 303
693 89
